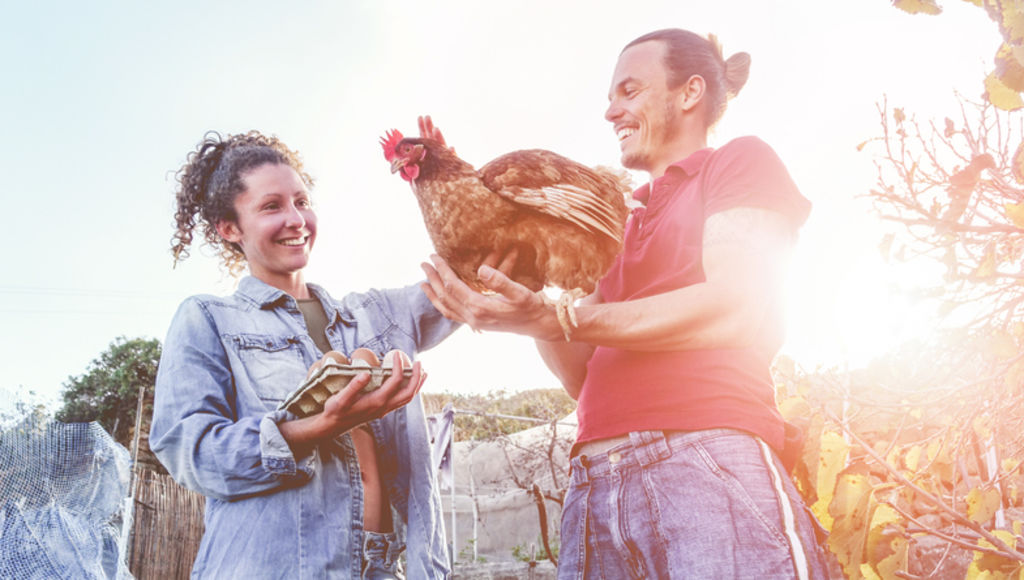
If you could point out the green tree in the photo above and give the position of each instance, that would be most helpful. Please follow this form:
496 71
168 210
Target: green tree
108 392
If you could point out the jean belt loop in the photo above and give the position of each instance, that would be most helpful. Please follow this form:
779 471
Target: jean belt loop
578 470
649 446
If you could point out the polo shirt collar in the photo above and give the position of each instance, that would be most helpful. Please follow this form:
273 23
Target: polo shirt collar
690 166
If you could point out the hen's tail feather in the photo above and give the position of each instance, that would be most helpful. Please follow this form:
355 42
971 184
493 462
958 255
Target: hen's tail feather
620 177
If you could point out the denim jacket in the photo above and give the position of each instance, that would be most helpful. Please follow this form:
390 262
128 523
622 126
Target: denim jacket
227 364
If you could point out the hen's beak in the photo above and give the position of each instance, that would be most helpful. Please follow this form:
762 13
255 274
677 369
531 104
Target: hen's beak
398 163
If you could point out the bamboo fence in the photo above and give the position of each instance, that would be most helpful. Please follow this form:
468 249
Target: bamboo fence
167 528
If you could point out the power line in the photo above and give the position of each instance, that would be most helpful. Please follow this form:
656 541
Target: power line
86 292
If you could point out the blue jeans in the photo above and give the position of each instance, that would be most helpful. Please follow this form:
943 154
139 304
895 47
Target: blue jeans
700 504
380 556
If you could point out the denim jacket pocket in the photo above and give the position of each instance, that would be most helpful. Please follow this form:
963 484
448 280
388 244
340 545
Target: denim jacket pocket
274 365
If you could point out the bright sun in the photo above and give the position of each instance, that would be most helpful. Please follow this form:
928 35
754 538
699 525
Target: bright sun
860 313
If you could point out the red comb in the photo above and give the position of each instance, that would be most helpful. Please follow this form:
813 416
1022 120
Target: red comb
389 141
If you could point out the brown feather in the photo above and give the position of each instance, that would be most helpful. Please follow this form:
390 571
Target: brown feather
565 219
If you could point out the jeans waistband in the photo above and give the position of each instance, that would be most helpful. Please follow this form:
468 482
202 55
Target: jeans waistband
596 458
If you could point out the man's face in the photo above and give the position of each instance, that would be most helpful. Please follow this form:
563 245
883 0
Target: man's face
644 112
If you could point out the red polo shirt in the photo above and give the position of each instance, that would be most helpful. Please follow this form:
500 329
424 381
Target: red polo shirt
695 389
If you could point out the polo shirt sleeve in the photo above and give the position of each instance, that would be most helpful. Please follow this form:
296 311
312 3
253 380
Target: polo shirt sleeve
747 172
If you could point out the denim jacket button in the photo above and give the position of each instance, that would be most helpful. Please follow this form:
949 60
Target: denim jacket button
614 457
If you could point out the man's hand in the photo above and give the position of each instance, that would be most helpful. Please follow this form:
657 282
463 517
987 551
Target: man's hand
514 308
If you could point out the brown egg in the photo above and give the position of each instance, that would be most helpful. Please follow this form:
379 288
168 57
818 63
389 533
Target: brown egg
336 357
333 355
389 360
364 357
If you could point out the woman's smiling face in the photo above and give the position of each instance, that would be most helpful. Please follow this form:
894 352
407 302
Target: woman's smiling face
276 224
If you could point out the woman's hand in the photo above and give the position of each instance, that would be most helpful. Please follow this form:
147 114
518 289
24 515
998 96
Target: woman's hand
350 407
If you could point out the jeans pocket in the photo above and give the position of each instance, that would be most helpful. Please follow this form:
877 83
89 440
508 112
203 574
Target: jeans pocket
737 461
573 532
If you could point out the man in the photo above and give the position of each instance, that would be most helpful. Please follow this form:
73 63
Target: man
675 473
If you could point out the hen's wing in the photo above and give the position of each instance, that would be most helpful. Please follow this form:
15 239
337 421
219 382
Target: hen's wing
557 186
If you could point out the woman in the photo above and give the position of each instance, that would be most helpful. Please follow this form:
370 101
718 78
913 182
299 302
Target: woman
290 497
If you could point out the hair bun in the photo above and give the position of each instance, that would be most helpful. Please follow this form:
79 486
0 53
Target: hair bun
737 70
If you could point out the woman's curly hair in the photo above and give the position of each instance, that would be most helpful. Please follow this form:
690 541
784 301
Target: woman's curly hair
211 179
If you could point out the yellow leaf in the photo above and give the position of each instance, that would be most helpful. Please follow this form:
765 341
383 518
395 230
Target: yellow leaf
850 508
982 504
894 557
794 406
1010 18
1015 211
884 515
918 6
987 268
912 457
831 461
996 566
868 573
1000 95
1008 69
1001 345
893 458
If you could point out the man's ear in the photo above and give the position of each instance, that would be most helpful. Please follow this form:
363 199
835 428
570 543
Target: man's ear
692 92
228 230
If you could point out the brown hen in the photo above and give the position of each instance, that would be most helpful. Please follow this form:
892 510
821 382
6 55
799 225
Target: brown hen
564 220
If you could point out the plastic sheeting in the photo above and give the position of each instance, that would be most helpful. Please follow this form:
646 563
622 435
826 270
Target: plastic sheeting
62 489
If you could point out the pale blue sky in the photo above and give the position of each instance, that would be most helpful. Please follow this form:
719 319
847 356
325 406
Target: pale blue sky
103 100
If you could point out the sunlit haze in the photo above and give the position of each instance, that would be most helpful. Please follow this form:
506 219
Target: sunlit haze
102 101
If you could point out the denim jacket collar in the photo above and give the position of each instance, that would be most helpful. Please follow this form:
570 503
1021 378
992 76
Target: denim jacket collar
263 296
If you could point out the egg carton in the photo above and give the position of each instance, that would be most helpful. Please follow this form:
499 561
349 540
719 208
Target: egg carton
308 399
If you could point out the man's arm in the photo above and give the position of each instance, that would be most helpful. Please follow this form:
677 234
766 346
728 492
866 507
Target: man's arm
744 257
568 360
745 253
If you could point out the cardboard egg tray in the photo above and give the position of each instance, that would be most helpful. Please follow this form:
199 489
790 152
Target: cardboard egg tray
308 399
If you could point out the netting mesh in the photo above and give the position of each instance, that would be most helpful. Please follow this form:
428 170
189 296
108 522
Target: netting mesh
62 492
